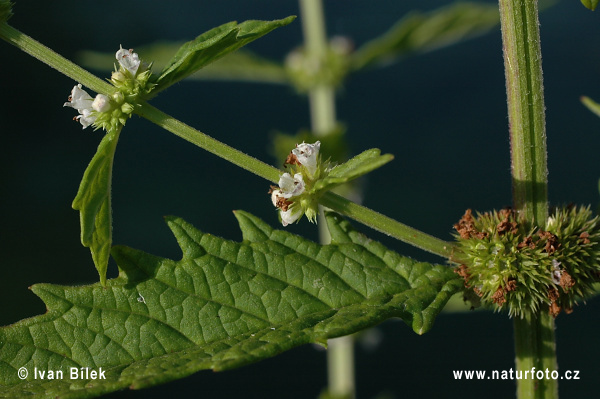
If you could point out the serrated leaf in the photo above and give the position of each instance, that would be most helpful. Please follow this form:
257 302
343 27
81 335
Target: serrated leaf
427 31
223 305
357 166
212 45
93 203
591 4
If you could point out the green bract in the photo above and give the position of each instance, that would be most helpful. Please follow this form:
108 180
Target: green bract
5 10
530 270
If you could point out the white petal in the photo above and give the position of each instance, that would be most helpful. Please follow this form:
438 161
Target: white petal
86 118
291 186
79 99
128 60
291 215
274 195
101 103
556 272
308 156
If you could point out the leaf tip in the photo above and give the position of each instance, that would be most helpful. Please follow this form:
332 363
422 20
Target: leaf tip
253 229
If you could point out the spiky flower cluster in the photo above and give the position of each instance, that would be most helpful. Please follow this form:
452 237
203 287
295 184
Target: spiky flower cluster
306 72
132 84
534 269
295 195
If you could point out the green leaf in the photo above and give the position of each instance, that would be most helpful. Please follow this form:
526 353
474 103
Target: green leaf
223 305
93 203
591 4
361 164
591 105
212 45
427 31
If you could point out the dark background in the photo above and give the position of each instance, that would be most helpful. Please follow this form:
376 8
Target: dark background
442 114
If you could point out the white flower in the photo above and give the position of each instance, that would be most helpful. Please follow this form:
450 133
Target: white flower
556 272
82 102
291 215
128 60
308 156
87 106
79 99
291 186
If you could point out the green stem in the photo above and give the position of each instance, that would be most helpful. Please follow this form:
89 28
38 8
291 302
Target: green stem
535 348
340 367
322 96
208 143
534 334
391 227
525 93
53 59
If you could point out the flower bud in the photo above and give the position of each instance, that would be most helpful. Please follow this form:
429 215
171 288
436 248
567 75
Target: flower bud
127 108
101 103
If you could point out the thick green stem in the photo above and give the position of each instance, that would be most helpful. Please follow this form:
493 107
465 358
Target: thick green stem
525 94
535 352
55 60
534 334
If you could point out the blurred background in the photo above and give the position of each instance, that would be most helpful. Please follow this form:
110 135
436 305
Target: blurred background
442 114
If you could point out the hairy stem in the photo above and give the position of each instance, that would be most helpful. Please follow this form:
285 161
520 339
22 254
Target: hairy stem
53 59
525 94
208 143
535 349
534 334
391 227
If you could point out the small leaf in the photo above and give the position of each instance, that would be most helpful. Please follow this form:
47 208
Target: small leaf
591 105
361 164
591 4
212 45
427 31
93 202
223 305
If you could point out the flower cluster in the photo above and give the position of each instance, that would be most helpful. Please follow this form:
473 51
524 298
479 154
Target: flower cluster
508 265
109 112
305 71
294 196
